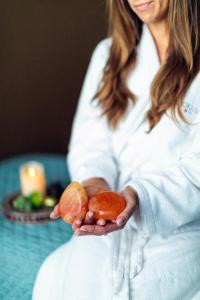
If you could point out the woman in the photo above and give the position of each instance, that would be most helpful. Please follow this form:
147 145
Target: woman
136 131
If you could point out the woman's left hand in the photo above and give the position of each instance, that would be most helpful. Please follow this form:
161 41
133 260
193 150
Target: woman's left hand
131 197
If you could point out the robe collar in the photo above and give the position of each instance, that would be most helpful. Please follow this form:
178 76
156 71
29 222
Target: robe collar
147 64
148 48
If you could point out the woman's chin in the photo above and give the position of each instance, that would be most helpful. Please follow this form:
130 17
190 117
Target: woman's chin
148 19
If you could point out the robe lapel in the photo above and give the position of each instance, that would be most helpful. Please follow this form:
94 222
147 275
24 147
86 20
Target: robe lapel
139 82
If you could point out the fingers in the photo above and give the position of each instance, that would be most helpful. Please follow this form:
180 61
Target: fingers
89 219
110 227
125 215
55 214
131 203
76 224
92 229
97 229
123 218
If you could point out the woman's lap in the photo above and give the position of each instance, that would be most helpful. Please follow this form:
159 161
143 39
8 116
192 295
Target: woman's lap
79 270
73 270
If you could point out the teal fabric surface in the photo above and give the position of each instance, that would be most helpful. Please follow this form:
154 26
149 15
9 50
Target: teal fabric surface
24 247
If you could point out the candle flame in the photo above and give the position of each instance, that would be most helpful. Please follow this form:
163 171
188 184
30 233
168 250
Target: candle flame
31 171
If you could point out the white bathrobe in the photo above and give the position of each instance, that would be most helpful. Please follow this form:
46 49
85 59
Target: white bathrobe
157 255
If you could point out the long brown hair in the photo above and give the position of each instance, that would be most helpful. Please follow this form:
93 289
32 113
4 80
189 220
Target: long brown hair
174 76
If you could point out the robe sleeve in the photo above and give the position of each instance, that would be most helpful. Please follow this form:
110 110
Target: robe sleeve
170 198
90 150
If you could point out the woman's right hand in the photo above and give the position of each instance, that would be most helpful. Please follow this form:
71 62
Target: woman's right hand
92 186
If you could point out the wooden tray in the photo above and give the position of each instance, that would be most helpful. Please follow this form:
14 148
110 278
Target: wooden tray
39 216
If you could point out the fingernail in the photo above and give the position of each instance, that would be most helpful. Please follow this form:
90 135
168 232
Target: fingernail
101 223
120 222
78 222
90 214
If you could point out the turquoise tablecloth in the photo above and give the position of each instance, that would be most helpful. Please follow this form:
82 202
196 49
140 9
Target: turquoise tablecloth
24 247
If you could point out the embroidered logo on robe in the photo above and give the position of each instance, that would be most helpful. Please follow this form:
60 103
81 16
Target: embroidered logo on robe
189 108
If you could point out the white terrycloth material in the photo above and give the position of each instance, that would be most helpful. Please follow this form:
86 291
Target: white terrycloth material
157 255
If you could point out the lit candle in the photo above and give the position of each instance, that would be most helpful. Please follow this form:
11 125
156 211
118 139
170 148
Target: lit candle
32 178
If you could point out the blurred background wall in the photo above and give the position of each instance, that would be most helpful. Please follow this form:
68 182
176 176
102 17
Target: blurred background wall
45 46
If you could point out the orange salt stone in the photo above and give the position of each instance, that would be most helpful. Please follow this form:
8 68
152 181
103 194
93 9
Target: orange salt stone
106 205
73 203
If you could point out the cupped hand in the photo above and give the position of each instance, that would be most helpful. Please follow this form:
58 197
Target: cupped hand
92 186
102 227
